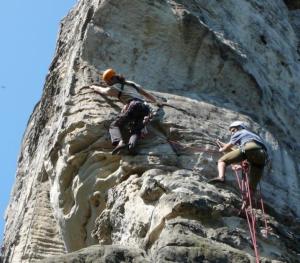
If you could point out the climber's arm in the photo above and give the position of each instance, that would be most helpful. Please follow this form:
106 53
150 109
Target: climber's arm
149 96
107 91
226 147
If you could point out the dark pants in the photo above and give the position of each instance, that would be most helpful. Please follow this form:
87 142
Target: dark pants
134 115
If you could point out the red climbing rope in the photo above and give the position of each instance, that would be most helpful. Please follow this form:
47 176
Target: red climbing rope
247 207
263 211
251 218
193 148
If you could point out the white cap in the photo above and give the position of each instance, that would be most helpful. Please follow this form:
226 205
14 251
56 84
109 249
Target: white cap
237 124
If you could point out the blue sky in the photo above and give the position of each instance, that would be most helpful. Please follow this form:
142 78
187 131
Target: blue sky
29 31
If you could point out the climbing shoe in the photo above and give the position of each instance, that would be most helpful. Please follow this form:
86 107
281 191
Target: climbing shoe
119 148
216 180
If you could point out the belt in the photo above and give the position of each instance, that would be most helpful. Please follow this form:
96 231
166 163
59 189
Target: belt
255 142
261 147
133 99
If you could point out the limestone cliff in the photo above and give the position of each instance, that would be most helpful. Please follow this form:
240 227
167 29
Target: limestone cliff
216 61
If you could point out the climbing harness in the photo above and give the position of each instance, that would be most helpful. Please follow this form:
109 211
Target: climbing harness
247 206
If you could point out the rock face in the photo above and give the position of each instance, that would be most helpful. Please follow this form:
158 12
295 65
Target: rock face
216 62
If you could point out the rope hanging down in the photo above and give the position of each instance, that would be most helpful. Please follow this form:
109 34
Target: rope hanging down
247 207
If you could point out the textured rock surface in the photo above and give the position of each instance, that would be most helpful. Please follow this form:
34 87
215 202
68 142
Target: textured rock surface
217 61
98 253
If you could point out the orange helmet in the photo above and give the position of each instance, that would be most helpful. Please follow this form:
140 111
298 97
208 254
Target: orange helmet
108 74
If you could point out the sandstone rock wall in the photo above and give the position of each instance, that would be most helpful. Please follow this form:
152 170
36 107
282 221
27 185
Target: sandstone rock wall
216 61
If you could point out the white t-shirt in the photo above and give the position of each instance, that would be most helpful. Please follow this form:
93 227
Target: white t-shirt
130 91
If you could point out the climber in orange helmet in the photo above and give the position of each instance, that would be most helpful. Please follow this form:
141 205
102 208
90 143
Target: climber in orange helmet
135 110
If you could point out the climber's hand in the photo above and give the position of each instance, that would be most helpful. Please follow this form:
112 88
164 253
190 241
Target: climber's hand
94 88
125 108
220 144
236 167
146 120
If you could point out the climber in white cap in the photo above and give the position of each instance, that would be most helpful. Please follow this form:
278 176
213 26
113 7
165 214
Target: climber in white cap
243 145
